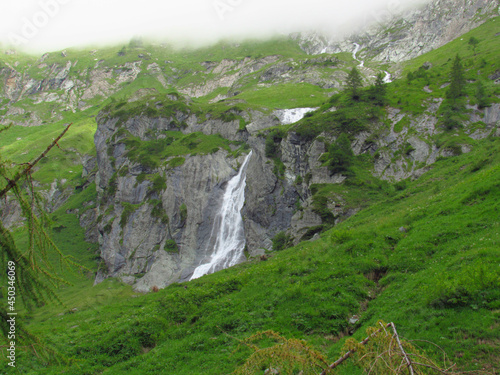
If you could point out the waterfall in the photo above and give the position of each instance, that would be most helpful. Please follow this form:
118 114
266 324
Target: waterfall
227 230
289 116
356 49
387 78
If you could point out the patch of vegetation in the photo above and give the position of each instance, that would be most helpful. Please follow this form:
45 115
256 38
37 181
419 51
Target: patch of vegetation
286 95
171 246
340 155
350 117
128 210
273 139
281 241
151 154
312 231
401 124
183 212
158 211
152 106
158 184
176 162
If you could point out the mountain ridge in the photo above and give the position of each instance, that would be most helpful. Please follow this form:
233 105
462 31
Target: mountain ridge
400 36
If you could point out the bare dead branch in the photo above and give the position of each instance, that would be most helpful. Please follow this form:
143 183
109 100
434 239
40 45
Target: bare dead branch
437 346
445 371
386 333
408 361
350 352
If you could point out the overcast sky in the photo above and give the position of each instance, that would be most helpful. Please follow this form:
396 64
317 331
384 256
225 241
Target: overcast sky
48 25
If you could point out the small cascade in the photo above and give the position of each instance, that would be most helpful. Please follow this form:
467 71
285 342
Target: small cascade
388 77
289 116
356 49
227 233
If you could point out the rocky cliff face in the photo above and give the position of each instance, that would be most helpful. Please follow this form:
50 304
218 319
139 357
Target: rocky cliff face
400 36
154 236
63 86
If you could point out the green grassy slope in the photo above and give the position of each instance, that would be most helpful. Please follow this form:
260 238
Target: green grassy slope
438 280
479 65
25 144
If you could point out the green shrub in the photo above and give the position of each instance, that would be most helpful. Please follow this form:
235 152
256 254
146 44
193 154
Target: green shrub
141 178
279 168
112 185
398 127
272 139
176 162
476 286
408 149
123 171
340 155
158 184
320 206
183 212
108 227
281 241
128 209
171 246
308 177
311 231
341 236
158 211
401 185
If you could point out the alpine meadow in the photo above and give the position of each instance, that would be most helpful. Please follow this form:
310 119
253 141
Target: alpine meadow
299 204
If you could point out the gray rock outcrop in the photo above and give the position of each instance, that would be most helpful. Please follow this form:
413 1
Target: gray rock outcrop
403 35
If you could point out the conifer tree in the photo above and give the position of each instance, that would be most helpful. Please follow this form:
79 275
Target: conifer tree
354 83
32 274
473 42
481 96
457 85
454 105
340 155
378 90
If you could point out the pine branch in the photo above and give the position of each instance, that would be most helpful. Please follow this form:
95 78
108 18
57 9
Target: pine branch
25 171
443 371
350 352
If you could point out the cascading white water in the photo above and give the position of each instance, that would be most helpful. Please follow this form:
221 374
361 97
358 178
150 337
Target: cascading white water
356 49
227 228
289 116
388 77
